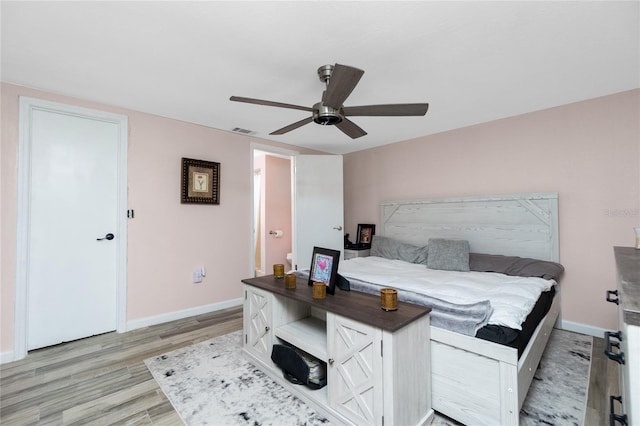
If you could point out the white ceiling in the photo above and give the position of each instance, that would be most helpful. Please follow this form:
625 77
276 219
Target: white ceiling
473 62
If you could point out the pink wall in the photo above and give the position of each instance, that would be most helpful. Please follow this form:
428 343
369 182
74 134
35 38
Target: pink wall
277 178
167 240
588 152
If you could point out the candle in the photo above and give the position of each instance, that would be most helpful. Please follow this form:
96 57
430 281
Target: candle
278 270
290 281
319 290
389 299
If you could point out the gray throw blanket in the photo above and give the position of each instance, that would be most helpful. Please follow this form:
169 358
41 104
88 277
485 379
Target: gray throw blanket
463 319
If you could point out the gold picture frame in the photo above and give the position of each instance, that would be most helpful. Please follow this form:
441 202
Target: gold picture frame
200 182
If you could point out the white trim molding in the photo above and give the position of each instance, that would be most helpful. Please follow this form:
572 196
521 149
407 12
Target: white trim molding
586 329
7 357
185 313
275 151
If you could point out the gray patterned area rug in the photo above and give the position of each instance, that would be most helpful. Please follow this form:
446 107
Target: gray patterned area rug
212 383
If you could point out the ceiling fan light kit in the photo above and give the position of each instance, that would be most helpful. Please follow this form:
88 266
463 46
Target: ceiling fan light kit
340 81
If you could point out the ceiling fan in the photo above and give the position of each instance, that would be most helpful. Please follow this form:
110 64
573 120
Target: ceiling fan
340 81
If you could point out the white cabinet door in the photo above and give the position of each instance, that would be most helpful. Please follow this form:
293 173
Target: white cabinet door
258 323
318 206
354 375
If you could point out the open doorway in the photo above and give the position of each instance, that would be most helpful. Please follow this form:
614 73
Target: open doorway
272 208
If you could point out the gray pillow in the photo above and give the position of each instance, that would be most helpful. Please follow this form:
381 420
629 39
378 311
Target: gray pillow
514 265
448 255
393 249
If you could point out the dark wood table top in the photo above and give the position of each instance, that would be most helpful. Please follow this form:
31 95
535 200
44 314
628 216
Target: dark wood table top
362 307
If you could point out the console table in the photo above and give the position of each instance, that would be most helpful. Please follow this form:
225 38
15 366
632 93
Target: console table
378 362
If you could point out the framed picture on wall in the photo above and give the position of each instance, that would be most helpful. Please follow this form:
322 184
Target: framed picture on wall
324 267
200 182
365 234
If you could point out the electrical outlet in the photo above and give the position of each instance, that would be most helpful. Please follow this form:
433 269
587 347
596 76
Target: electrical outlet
197 276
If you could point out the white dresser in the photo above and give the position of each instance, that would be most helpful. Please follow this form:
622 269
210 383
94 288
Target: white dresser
623 345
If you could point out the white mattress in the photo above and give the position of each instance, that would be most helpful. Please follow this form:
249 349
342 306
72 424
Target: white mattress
511 298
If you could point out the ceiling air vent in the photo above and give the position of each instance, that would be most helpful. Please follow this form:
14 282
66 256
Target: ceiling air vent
241 130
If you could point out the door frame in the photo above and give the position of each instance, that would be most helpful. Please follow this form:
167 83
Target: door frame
277 152
27 105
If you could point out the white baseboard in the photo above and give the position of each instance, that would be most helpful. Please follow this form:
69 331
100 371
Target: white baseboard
577 327
176 315
6 357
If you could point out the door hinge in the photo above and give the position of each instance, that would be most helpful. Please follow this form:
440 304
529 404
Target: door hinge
382 420
381 348
245 295
131 214
245 339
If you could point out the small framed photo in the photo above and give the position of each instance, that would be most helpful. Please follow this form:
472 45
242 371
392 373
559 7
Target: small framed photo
324 267
200 182
365 235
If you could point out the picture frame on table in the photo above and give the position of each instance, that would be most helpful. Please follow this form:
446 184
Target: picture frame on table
324 267
365 234
200 182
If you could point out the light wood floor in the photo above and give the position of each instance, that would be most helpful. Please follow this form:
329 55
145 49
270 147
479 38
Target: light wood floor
102 380
603 381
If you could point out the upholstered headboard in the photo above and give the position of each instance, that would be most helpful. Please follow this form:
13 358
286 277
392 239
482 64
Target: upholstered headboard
524 225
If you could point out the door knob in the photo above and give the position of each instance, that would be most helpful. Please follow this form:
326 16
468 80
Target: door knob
106 237
339 228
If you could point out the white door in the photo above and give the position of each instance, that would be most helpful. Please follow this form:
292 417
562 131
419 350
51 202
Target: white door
73 230
318 206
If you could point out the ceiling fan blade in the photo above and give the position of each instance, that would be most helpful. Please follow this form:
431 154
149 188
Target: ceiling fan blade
341 83
268 103
350 128
387 110
293 126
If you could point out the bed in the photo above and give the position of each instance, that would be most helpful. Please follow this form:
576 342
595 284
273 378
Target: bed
477 381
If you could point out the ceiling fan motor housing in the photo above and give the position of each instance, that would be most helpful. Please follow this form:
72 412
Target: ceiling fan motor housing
325 115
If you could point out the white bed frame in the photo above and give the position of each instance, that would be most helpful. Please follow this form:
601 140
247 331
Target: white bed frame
475 381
